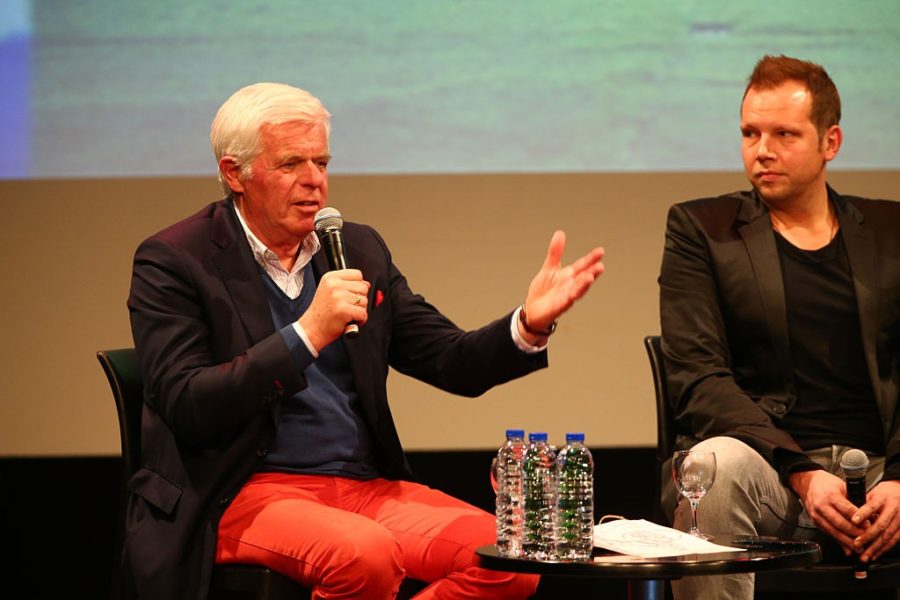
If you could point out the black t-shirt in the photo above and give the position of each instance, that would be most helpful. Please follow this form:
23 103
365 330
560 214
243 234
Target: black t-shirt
835 401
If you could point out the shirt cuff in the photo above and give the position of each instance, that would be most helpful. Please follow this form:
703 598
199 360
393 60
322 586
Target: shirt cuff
520 342
302 352
302 334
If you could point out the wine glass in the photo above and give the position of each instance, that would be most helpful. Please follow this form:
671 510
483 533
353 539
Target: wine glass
694 474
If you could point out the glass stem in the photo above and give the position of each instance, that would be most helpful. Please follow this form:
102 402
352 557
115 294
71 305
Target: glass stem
695 505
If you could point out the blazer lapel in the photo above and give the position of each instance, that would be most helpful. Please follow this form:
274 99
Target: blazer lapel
859 241
240 274
760 243
357 351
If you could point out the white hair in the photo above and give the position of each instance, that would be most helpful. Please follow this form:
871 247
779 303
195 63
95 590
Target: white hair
235 130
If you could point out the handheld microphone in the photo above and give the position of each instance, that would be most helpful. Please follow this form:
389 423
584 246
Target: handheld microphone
854 464
328 223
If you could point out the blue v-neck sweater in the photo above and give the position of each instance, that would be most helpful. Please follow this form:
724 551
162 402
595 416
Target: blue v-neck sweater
319 428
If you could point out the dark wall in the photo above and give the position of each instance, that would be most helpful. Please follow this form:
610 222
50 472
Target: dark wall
57 521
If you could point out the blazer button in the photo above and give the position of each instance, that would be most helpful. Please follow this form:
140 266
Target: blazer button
260 452
779 409
224 501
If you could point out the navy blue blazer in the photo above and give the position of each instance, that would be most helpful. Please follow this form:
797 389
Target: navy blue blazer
215 370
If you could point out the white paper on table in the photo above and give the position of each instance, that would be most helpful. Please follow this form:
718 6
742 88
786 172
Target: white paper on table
648 540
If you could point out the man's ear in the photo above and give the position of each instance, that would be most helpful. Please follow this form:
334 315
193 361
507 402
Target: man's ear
831 141
231 174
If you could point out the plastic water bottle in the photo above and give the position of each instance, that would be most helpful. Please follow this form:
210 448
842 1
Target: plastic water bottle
508 474
539 494
575 500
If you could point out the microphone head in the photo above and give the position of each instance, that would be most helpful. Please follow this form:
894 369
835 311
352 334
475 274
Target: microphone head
854 463
328 219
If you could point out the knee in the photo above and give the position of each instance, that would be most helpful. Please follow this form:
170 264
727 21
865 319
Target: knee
476 582
735 497
368 564
517 586
735 460
728 448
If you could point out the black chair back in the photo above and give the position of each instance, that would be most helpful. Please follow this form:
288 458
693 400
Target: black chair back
229 581
665 424
124 375
665 418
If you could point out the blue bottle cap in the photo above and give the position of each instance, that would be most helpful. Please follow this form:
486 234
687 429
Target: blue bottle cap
539 436
574 437
515 433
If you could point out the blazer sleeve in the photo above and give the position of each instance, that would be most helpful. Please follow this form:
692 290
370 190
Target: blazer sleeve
427 345
707 399
203 375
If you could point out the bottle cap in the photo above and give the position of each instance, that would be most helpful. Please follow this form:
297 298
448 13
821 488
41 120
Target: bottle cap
574 437
539 436
515 433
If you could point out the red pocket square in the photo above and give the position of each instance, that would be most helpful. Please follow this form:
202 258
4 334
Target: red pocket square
378 298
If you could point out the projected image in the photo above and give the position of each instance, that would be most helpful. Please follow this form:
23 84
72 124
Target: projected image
15 101
102 88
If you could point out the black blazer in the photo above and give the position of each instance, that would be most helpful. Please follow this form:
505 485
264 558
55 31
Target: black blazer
215 370
724 320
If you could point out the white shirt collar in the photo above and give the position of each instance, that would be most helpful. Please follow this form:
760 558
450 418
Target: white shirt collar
289 282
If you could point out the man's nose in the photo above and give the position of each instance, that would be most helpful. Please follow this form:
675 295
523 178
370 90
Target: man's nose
764 150
311 174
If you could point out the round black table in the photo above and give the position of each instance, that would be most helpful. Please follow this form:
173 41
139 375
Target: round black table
645 575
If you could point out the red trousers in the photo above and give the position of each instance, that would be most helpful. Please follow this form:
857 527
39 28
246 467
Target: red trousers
358 539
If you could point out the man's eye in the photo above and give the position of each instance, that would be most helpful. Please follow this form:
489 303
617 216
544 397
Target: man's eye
322 164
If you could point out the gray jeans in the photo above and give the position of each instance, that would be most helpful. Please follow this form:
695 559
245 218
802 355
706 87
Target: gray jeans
747 498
